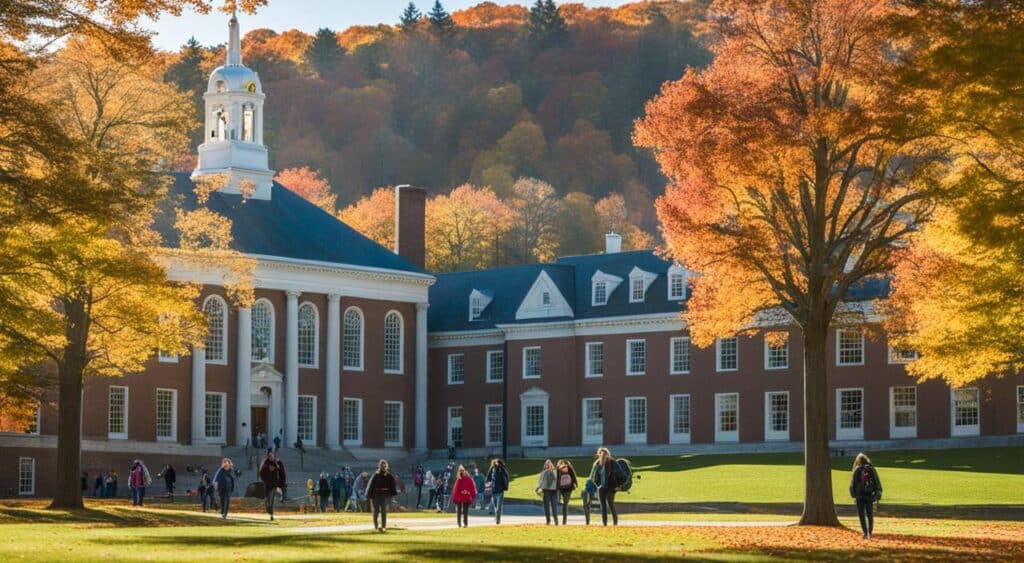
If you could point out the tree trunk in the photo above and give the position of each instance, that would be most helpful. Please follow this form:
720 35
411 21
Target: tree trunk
819 508
67 488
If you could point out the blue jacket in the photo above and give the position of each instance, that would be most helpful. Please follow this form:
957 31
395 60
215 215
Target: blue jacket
499 479
224 481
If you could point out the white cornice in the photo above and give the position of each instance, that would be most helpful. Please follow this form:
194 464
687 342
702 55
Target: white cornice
485 337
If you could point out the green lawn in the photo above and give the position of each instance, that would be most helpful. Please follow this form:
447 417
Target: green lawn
982 476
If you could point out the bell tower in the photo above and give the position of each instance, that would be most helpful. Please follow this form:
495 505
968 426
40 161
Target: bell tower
233 133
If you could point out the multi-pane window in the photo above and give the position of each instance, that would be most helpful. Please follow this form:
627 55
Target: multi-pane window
595 359
637 288
307 419
728 412
393 424
636 419
536 426
904 412
495 366
308 335
679 418
456 368
216 329
26 475
901 356
679 348
850 348
476 308
117 413
393 342
263 331
1020 408
531 362
600 293
593 421
776 350
636 357
850 410
676 286
727 357
776 415
495 424
352 419
455 427
166 414
966 413
545 298
215 416
353 339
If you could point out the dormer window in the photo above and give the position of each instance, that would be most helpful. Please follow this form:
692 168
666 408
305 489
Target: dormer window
637 292
639 281
602 286
676 283
478 301
600 293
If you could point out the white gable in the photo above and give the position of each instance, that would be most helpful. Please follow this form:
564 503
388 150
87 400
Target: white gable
480 300
543 300
610 283
640 275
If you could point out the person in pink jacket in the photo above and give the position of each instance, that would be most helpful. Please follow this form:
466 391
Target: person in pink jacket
463 495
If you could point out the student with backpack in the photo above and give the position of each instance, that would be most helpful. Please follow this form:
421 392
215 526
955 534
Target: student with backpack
547 485
498 477
418 476
866 489
566 485
610 475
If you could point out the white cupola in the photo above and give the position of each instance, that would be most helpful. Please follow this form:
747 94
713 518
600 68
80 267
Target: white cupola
233 134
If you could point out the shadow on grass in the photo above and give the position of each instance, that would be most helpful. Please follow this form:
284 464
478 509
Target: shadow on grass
794 509
120 516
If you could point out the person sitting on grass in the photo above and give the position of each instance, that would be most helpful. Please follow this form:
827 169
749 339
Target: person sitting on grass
463 495
866 489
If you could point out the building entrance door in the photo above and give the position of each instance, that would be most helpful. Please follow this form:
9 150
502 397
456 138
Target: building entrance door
259 421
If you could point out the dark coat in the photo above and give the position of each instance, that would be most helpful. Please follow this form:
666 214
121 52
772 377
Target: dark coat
498 476
224 480
855 491
273 474
381 484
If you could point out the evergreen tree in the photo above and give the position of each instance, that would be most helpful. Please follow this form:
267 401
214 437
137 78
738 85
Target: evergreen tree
324 53
546 27
440 20
410 17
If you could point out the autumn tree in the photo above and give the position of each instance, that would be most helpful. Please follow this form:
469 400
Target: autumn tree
534 209
373 216
441 22
615 218
411 16
578 226
796 167
307 183
324 53
464 229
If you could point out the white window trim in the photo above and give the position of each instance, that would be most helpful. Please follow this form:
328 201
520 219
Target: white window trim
118 435
767 355
223 331
525 376
534 442
223 438
484 301
635 438
720 435
586 349
450 358
316 335
1020 422
610 283
31 492
718 355
166 358
490 372
273 330
359 419
462 425
863 350
629 356
775 435
640 275
675 270
401 342
401 425
894 360
312 443
590 439
174 415
676 437
901 432
967 430
362 340
849 433
487 421
672 353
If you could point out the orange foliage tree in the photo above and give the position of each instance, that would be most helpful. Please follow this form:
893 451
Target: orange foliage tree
310 185
797 166
373 216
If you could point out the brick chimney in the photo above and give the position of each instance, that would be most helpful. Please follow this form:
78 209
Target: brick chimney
410 211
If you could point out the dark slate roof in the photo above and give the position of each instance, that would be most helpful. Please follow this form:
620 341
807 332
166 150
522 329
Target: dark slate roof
620 264
286 226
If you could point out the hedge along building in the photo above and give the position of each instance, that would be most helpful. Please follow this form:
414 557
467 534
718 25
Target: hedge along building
332 350
591 350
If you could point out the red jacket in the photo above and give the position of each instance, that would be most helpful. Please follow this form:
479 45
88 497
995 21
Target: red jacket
464 490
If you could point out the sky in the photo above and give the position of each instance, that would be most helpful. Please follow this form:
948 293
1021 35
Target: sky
306 15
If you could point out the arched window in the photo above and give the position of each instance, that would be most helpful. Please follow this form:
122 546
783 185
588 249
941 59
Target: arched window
216 311
353 339
309 337
222 124
263 331
248 120
393 342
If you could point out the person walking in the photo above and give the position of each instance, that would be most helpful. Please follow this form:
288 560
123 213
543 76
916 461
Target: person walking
224 485
138 480
111 484
547 485
273 476
99 487
430 483
85 482
170 478
359 492
463 495
479 481
587 494
603 475
336 488
323 490
380 490
277 443
417 480
566 485
866 489
439 491
497 475
349 477
205 490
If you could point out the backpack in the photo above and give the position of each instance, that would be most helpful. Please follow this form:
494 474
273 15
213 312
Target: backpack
565 481
623 475
866 485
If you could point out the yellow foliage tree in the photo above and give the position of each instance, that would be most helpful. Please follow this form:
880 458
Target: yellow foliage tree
373 216
464 229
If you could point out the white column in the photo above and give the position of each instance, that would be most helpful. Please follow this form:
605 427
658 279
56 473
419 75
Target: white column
243 378
421 376
291 370
332 387
198 395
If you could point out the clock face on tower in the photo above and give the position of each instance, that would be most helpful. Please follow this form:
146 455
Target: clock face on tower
251 86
